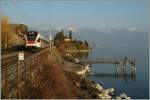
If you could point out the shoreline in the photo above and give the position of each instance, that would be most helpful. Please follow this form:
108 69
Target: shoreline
57 78
94 90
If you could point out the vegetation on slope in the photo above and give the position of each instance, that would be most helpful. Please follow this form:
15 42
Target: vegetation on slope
63 42
50 82
11 34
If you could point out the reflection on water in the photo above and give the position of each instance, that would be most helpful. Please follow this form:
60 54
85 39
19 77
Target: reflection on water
132 84
125 77
120 70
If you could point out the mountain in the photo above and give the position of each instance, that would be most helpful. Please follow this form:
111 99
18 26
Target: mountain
93 36
115 37
127 37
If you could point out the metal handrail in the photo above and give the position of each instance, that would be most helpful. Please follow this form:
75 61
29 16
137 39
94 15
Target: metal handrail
17 74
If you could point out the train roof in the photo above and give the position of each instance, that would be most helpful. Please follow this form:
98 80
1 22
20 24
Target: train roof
41 36
44 38
33 32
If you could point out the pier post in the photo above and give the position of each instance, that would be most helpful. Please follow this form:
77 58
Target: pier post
116 69
123 69
125 77
133 67
133 72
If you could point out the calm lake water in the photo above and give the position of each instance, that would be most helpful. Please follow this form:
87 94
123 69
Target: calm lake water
138 88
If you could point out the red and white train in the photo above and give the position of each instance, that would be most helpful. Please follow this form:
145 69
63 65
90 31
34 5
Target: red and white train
34 40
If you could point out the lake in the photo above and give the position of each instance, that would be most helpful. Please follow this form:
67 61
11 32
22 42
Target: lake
135 88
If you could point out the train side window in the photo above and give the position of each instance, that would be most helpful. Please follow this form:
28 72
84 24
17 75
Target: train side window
38 40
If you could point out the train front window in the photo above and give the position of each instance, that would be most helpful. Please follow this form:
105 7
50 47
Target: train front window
38 40
31 36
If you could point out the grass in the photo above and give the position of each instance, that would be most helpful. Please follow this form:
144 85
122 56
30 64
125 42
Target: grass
51 82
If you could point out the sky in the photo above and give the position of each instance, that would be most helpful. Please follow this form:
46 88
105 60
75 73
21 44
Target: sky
94 14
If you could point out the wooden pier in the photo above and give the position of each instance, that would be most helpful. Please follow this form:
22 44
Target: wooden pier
120 64
123 60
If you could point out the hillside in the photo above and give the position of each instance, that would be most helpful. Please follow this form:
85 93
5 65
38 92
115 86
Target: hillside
51 82
64 42
11 34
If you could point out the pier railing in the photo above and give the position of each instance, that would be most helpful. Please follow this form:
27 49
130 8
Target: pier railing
120 64
130 60
15 76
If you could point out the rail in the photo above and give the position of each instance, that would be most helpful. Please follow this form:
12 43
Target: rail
124 60
15 76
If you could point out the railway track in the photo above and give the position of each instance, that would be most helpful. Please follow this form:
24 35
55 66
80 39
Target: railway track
12 58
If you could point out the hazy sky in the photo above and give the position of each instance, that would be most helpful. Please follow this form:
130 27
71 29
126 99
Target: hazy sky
96 14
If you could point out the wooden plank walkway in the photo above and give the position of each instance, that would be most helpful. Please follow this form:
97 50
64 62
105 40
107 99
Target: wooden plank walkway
122 60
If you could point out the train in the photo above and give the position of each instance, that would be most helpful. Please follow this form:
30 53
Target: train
35 41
